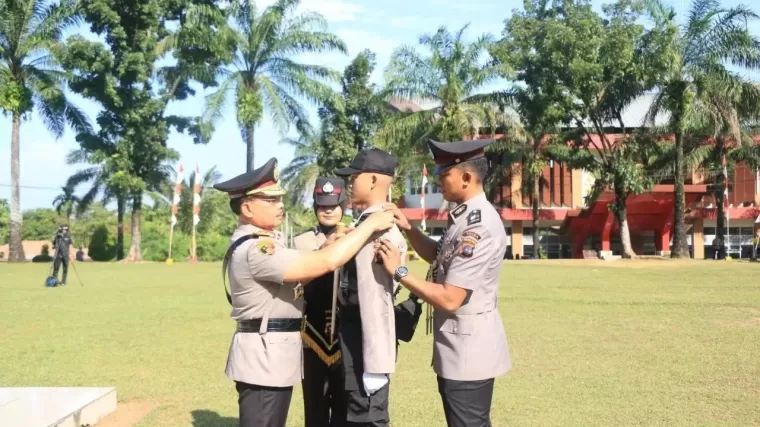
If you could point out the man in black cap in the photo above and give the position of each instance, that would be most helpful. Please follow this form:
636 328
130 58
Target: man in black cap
61 244
469 343
367 322
265 284
323 399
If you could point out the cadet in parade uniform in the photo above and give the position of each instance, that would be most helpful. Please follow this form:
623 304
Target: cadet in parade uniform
323 399
367 323
469 342
265 278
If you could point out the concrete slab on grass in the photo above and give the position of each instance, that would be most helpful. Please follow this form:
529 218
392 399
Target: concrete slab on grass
55 406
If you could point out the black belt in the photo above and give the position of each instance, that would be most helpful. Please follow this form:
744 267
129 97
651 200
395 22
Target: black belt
273 325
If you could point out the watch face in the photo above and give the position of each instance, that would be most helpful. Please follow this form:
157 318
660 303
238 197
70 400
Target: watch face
402 271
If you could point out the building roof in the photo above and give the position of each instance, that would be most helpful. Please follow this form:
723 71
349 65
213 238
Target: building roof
403 105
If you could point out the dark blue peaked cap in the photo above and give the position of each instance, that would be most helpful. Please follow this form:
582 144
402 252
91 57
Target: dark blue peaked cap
449 154
264 180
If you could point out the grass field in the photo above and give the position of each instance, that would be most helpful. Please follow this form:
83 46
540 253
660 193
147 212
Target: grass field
655 343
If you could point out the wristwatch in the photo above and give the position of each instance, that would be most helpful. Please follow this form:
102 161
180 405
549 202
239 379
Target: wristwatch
400 272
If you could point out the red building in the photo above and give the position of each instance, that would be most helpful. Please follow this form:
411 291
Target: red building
568 228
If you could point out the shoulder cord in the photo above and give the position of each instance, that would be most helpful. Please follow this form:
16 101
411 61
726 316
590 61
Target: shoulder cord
226 262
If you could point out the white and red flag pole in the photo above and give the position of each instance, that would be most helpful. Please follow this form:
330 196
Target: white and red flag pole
175 205
725 202
422 195
196 210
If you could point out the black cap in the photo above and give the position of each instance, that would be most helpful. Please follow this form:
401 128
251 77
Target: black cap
330 191
448 154
264 180
373 161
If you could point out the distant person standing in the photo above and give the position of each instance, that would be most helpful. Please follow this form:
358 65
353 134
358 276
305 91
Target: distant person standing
61 244
469 342
322 385
266 291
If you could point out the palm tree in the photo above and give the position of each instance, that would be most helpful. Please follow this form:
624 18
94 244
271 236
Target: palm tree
718 127
712 36
302 172
449 77
67 202
30 30
518 146
99 177
265 76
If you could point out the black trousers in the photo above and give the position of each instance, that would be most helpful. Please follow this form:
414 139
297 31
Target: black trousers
61 259
262 406
361 409
323 399
368 411
466 403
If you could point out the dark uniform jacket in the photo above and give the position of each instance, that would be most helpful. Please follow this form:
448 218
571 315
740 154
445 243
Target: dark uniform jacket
315 331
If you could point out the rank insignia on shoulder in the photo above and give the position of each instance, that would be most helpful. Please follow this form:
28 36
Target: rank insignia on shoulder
459 210
473 217
298 291
266 247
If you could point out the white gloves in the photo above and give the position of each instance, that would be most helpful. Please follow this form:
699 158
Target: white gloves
373 382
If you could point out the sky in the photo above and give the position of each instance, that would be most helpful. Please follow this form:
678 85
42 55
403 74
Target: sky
362 24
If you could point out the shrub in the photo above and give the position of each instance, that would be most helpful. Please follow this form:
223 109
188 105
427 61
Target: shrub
44 255
102 245
212 247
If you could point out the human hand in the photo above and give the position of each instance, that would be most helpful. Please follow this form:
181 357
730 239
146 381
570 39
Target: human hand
401 220
389 254
381 220
339 232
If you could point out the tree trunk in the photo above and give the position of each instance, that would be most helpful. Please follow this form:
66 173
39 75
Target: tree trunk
621 215
720 229
680 249
16 247
135 253
120 208
249 149
720 200
536 201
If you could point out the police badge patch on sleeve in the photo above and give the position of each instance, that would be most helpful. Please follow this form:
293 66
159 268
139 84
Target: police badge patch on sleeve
473 217
469 240
266 247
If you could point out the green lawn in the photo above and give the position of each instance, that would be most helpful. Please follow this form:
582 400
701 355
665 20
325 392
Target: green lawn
653 343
